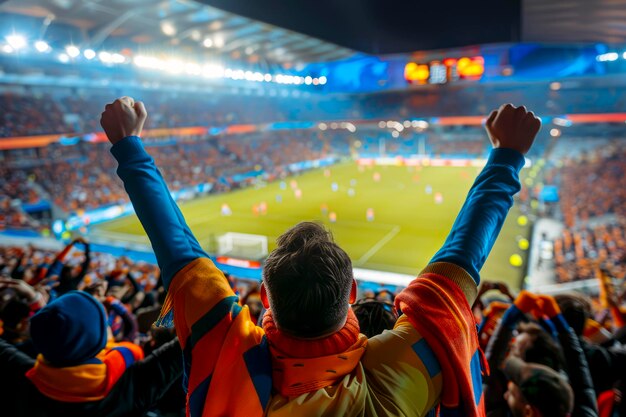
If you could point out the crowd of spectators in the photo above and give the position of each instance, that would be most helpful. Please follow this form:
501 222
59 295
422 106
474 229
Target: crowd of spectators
572 334
77 177
579 252
74 110
68 111
592 187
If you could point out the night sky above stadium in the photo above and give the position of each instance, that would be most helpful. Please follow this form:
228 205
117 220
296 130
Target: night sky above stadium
387 26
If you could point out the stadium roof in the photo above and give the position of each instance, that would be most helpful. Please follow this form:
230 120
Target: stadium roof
575 21
169 24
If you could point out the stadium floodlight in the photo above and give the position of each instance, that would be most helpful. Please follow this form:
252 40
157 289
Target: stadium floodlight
213 71
105 57
64 58
308 80
7 49
118 58
72 51
609 56
168 28
16 42
218 41
193 69
207 43
42 46
174 66
267 78
323 80
89 54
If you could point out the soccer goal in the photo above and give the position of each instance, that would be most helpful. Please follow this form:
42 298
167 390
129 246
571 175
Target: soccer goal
242 245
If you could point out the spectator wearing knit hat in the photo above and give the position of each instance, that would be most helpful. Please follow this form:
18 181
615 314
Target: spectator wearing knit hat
78 372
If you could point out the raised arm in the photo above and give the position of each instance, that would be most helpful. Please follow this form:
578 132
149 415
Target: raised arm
512 131
172 241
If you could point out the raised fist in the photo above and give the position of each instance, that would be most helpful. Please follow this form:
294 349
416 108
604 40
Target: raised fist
124 117
513 128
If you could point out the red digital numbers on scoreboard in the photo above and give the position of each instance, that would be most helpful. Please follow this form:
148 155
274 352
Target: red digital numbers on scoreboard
445 71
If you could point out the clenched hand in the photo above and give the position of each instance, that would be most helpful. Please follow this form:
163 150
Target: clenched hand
124 117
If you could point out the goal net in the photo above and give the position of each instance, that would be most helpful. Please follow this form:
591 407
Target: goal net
242 245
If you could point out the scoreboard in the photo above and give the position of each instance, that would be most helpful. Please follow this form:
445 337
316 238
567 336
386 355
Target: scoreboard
445 71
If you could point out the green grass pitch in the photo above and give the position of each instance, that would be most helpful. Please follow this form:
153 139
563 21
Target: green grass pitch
409 226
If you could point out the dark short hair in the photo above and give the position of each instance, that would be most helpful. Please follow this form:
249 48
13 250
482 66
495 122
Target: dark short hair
576 308
544 350
308 279
374 316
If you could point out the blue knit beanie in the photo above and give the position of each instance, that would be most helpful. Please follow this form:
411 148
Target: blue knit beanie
70 330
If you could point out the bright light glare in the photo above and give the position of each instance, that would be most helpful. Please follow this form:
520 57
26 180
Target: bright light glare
609 56
213 71
7 49
168 28
208 42
42 46
105 57
72 51
118 58
323 80
64 58
219 41
89 53
175 66
17 42
555 133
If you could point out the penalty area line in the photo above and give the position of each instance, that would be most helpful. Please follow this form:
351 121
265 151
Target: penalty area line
382 242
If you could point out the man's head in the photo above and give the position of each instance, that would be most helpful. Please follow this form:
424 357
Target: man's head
374 316
536 390
533 344
576 308
308 282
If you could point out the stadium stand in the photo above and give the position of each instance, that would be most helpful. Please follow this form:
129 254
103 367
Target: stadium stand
261 128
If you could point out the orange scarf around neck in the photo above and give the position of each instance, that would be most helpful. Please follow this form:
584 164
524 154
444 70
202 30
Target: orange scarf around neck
91 381
305 365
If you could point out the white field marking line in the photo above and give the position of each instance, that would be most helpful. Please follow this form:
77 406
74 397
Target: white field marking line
382 242
394 268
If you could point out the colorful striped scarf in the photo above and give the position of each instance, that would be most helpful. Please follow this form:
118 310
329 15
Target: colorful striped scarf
89 381
438 309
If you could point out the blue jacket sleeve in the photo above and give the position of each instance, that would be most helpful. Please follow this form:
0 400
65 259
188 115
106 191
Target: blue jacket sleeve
172 241
478 224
